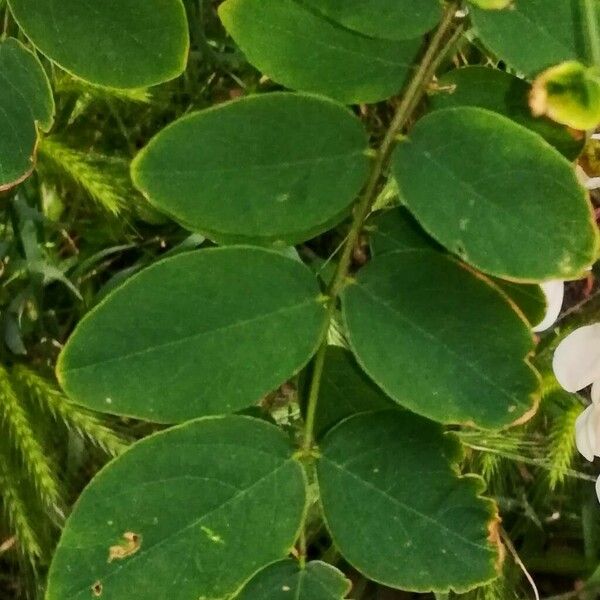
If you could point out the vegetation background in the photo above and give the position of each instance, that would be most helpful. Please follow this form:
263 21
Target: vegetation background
77 228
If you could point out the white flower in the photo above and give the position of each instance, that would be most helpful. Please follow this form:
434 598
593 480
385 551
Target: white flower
576 361
554 291
576 365
587 432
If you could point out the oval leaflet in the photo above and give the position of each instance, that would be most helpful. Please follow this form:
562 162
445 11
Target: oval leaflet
273 169
205 332
186 511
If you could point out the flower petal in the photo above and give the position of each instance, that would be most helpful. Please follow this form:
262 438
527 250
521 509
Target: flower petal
582 439
592 426
596 393
576 361
598 488
555 292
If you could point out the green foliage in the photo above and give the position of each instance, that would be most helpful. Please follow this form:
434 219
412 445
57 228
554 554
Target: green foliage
105 179
196 494
392 316
506 194
506 95
385 19
532 35
293 175
303 50
325 479
317 581
25 103
33 496
143 363
114 44
426 522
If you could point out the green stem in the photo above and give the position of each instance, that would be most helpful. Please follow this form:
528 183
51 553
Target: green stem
435 52
591 17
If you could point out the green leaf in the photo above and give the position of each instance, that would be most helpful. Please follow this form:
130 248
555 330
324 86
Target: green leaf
507 95
285 580
295 46
532 35
387 19
394 475
114 43
497 195
396 229
26 103
345 391
441 340
527 296
204 332
279 168
186 513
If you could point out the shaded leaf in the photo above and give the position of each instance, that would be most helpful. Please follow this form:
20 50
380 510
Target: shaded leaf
26 103
440 340
114 43
527 296
345 391
532 35
396 229
387 19
279 168
302 50
394 475
507 95
203 332
286 580
183 514
505 196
